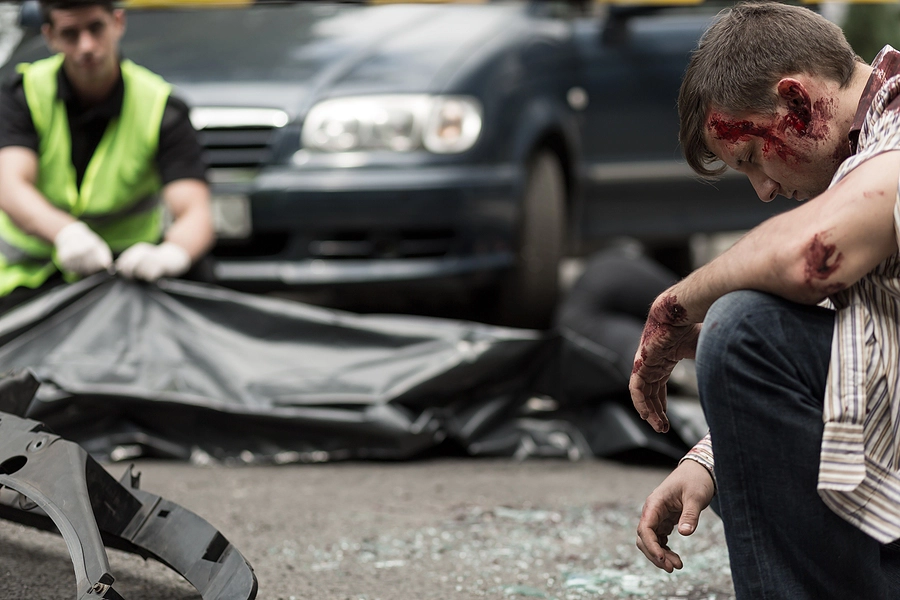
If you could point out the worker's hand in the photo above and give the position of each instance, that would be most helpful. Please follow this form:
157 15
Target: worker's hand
678 500
150 262
79 250
667 339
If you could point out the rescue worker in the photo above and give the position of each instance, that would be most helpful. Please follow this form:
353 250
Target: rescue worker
91 146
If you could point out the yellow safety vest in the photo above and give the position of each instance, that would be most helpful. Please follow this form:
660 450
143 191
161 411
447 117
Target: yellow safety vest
118 197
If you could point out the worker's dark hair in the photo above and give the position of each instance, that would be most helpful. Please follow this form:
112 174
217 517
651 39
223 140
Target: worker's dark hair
741 58
49 5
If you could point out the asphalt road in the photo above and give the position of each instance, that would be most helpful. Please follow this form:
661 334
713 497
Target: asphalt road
438 529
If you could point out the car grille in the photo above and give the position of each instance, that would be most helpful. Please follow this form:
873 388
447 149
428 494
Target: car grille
258 245
418 243
236 148
236 138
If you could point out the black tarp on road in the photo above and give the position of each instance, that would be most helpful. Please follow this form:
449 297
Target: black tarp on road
201 373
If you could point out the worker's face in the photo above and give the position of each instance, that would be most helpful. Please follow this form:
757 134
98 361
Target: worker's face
88 37
794 152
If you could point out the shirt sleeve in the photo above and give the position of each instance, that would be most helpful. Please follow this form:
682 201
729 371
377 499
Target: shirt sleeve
702 453
179 155
16 126
894 105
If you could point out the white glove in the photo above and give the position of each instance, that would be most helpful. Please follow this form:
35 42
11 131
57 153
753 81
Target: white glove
150 262
79 250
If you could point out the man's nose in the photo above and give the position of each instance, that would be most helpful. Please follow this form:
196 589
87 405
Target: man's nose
86 42
765 188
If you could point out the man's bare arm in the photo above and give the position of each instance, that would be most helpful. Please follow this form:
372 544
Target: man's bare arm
810 252
192 228
803 255
20 199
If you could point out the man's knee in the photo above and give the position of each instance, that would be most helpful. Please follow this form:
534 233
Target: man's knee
733 317
742 331
754 337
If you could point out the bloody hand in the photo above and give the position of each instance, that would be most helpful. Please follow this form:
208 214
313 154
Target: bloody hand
668 337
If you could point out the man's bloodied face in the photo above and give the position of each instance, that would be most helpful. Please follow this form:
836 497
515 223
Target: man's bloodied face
793 152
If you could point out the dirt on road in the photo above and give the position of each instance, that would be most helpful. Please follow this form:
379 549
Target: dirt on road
437 529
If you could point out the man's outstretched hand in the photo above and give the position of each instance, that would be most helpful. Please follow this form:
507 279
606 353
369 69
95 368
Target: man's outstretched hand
677 501
668 337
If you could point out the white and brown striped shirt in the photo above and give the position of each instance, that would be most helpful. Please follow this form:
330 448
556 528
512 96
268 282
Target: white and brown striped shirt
859 470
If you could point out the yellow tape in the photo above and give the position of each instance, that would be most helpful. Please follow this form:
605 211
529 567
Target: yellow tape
650 2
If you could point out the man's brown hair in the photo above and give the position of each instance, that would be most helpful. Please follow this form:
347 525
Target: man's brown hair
49 5
741 58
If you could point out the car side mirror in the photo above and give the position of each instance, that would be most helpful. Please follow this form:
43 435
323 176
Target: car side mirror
30 16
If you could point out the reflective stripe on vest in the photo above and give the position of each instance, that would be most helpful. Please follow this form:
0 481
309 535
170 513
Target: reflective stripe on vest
118 197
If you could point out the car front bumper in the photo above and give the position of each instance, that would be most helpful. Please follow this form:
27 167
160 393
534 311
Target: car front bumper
318 227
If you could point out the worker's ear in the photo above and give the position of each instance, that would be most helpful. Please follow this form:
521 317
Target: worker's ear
794 96
47 32
120 21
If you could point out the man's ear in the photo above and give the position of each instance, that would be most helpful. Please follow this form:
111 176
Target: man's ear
794 94
121 21
47 32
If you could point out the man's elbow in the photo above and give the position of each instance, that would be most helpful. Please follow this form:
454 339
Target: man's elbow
814 268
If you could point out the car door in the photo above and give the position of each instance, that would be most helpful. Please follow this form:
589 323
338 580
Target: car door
634 180
633 61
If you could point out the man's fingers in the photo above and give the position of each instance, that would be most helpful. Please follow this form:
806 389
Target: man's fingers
637 397
649 398
657 416
690 515
649 411
673 561
661 556
652 532
652 550
642 398
652 369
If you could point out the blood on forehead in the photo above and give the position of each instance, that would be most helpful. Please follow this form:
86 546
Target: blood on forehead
732 131
800 121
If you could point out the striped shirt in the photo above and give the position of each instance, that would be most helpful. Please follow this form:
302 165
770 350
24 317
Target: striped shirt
859 470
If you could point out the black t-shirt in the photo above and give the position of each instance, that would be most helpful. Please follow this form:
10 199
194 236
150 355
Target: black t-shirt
178 155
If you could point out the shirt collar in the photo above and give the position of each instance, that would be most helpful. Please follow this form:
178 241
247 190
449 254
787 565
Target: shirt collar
885 66
108 108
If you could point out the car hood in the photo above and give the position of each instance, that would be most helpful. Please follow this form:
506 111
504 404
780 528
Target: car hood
289 56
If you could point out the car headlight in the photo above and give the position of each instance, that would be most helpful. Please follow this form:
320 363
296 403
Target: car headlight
440 124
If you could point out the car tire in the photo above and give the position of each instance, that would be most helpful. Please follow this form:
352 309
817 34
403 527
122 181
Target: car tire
528 293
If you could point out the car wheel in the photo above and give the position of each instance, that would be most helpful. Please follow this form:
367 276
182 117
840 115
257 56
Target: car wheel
528 293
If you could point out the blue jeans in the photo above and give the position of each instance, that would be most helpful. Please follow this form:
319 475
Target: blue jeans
762 363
